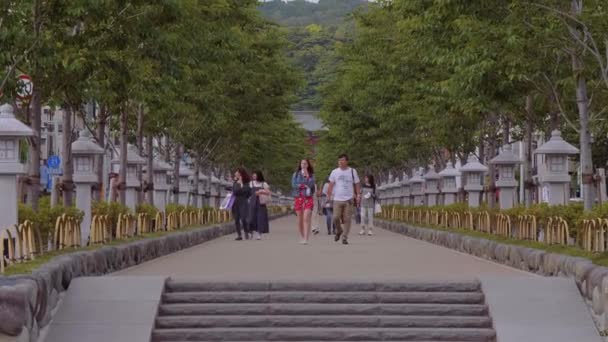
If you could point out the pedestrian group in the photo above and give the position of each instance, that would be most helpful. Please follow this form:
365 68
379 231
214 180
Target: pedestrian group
341 196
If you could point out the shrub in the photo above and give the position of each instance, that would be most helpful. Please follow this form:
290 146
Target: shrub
46 216
146 209
112 209
172 208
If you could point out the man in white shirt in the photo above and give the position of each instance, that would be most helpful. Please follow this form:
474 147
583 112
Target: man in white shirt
345 187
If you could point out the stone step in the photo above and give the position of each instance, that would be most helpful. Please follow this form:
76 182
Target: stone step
324 334
177 322
325 297
324 309
176 285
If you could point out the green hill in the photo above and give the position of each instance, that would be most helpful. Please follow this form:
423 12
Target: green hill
315 31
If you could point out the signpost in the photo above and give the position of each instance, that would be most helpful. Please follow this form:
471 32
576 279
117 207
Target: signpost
53 168
25 88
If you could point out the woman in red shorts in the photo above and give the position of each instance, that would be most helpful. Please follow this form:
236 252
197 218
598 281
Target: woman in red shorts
303 189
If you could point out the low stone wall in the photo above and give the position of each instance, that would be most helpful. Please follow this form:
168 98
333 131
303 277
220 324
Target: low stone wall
592 280
27 302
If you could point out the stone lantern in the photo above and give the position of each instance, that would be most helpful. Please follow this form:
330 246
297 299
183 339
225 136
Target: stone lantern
431 189
506 161
133 184
84 151
11 131
161 183
449 189
417 188
554 177
472 174
405 190
184 184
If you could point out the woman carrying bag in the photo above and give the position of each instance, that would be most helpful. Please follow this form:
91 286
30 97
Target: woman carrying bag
241 193
258 211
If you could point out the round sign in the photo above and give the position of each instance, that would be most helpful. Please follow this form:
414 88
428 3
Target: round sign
53 162
25 87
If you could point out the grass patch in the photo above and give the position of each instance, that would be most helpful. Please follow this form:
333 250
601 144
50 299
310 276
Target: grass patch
27 267
600 259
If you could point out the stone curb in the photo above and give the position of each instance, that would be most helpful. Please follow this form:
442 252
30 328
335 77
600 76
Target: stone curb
28 301
592 280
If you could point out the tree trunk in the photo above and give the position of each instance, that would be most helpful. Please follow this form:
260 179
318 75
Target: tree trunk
527 162
34 152
197 166
67 180
582 101
122 183
101 140
140 150
506 130
167 150
176 160
150 170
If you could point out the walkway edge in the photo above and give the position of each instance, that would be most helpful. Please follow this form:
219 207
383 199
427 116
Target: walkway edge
27 301
591 279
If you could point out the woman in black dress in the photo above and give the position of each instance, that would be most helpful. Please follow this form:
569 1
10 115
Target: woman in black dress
258 213
240 207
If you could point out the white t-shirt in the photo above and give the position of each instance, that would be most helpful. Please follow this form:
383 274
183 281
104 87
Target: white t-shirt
344 183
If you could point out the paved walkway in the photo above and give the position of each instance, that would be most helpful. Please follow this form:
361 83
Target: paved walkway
278 256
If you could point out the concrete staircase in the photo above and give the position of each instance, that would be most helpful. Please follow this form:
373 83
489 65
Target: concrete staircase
201 311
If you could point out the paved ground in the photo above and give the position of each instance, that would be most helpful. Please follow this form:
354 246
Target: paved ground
524 307
278 256
99 309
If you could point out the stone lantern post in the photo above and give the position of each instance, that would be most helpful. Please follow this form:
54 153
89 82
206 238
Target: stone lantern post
84 152
225 185
431 189
417 188
161 183
184 184
506 161
380 193
11 131
202 189
448 183
473 173
554 177
133 184
215 192
392 189
405 190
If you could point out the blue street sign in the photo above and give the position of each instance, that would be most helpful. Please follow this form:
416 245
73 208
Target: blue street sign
53 162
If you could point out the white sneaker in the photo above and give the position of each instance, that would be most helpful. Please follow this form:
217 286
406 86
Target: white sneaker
258 236
369 233
362 232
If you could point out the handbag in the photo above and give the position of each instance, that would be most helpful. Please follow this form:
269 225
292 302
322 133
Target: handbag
377 208
264 199
228 202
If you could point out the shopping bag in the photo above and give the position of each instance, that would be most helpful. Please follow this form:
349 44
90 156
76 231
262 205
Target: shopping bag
227 202
377 208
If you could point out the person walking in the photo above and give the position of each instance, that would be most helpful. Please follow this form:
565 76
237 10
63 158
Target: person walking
260 197
368 204
242 192
303 188
345 187
326 207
